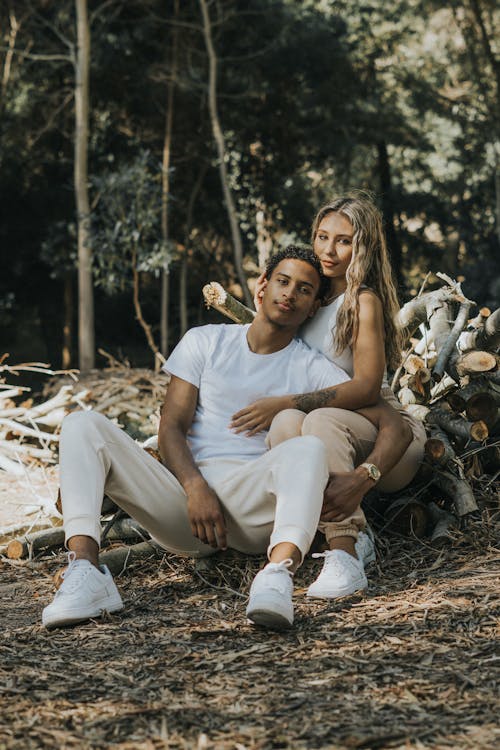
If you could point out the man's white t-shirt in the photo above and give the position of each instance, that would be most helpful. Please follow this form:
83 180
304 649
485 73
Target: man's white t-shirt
218 361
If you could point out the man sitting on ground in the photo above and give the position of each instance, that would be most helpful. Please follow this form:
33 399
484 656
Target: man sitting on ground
214 489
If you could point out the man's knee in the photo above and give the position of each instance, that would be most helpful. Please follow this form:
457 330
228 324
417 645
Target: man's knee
81 423
306 446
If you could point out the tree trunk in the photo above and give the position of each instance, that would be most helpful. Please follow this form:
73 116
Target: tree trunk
183 303
165 189
221 150
388 210
86 342
67 346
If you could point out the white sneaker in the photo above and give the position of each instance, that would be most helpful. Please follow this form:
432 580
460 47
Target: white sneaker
365 546
84 593
270 602
342 575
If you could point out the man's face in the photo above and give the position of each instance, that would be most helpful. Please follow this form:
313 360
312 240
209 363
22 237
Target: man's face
290 295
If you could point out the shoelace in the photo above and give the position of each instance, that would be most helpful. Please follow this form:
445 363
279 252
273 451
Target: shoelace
74 574
282 567
331 560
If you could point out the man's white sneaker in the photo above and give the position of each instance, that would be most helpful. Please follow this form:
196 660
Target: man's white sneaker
270 603
365 546
342 575
84 593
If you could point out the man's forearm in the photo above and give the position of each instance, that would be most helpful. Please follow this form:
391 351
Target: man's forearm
177 457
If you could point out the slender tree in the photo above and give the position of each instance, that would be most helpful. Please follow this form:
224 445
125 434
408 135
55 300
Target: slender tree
221 150
86 335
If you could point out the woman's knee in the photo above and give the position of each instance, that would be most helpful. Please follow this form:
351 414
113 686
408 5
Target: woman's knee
326 419
285 425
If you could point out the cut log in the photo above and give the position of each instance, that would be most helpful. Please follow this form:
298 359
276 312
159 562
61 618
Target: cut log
419 411
444 523
475 361
216 296
479 320
487 337
446 348
459 490
407 516
420 309
438 448
456 425
31 544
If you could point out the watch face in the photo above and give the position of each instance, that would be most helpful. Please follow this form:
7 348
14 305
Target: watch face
373 471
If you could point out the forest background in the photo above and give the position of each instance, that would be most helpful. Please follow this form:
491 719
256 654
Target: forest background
209 133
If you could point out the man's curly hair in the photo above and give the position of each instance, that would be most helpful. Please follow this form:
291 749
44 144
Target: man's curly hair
305 253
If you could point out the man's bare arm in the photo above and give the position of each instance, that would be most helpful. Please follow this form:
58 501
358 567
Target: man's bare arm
203 505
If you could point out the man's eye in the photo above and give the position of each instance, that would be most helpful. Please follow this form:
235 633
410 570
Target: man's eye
305 290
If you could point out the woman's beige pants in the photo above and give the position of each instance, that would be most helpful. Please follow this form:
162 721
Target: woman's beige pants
274 498
349 439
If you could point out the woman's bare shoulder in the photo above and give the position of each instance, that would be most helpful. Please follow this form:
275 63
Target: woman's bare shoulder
370 303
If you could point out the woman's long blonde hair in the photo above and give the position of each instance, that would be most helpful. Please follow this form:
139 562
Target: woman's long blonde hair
370 266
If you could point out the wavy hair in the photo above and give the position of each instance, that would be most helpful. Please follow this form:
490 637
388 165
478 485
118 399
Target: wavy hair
370 266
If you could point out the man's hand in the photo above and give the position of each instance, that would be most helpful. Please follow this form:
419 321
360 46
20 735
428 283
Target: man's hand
343 494
206 516
259 415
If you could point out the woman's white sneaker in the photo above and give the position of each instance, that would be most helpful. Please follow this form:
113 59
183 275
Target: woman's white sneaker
342 575
85 592
270 603
365 546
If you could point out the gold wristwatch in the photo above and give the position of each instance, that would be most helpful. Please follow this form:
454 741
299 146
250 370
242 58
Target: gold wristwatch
372 471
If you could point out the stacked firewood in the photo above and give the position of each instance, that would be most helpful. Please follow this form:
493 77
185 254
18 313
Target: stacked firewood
450 380
29 433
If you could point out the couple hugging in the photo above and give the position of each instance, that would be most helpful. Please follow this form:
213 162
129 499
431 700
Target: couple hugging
263 438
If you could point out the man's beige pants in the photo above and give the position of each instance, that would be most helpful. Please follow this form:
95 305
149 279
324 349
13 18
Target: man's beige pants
349 439
274 498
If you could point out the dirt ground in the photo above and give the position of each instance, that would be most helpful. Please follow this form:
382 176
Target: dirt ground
411 664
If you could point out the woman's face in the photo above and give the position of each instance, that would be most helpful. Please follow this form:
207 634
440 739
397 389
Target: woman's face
333 244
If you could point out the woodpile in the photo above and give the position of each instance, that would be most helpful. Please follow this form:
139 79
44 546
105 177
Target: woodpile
29 434
450 380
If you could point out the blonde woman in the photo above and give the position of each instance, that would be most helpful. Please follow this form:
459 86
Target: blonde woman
355 329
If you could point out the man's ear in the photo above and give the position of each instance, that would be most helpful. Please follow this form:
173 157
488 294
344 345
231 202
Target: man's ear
314 309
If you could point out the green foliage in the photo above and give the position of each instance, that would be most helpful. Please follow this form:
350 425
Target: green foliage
126 223
315 97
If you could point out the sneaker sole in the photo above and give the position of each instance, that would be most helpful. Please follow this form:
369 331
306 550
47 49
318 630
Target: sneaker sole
338 593
262 613
73 616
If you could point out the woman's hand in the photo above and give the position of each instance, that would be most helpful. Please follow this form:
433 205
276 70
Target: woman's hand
259 415
343 494
260 285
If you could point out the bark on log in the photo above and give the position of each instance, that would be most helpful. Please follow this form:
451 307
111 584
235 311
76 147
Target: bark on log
30 544
438 448
420 309
216 296
459 490
487 337
457 426
448 347
444 522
